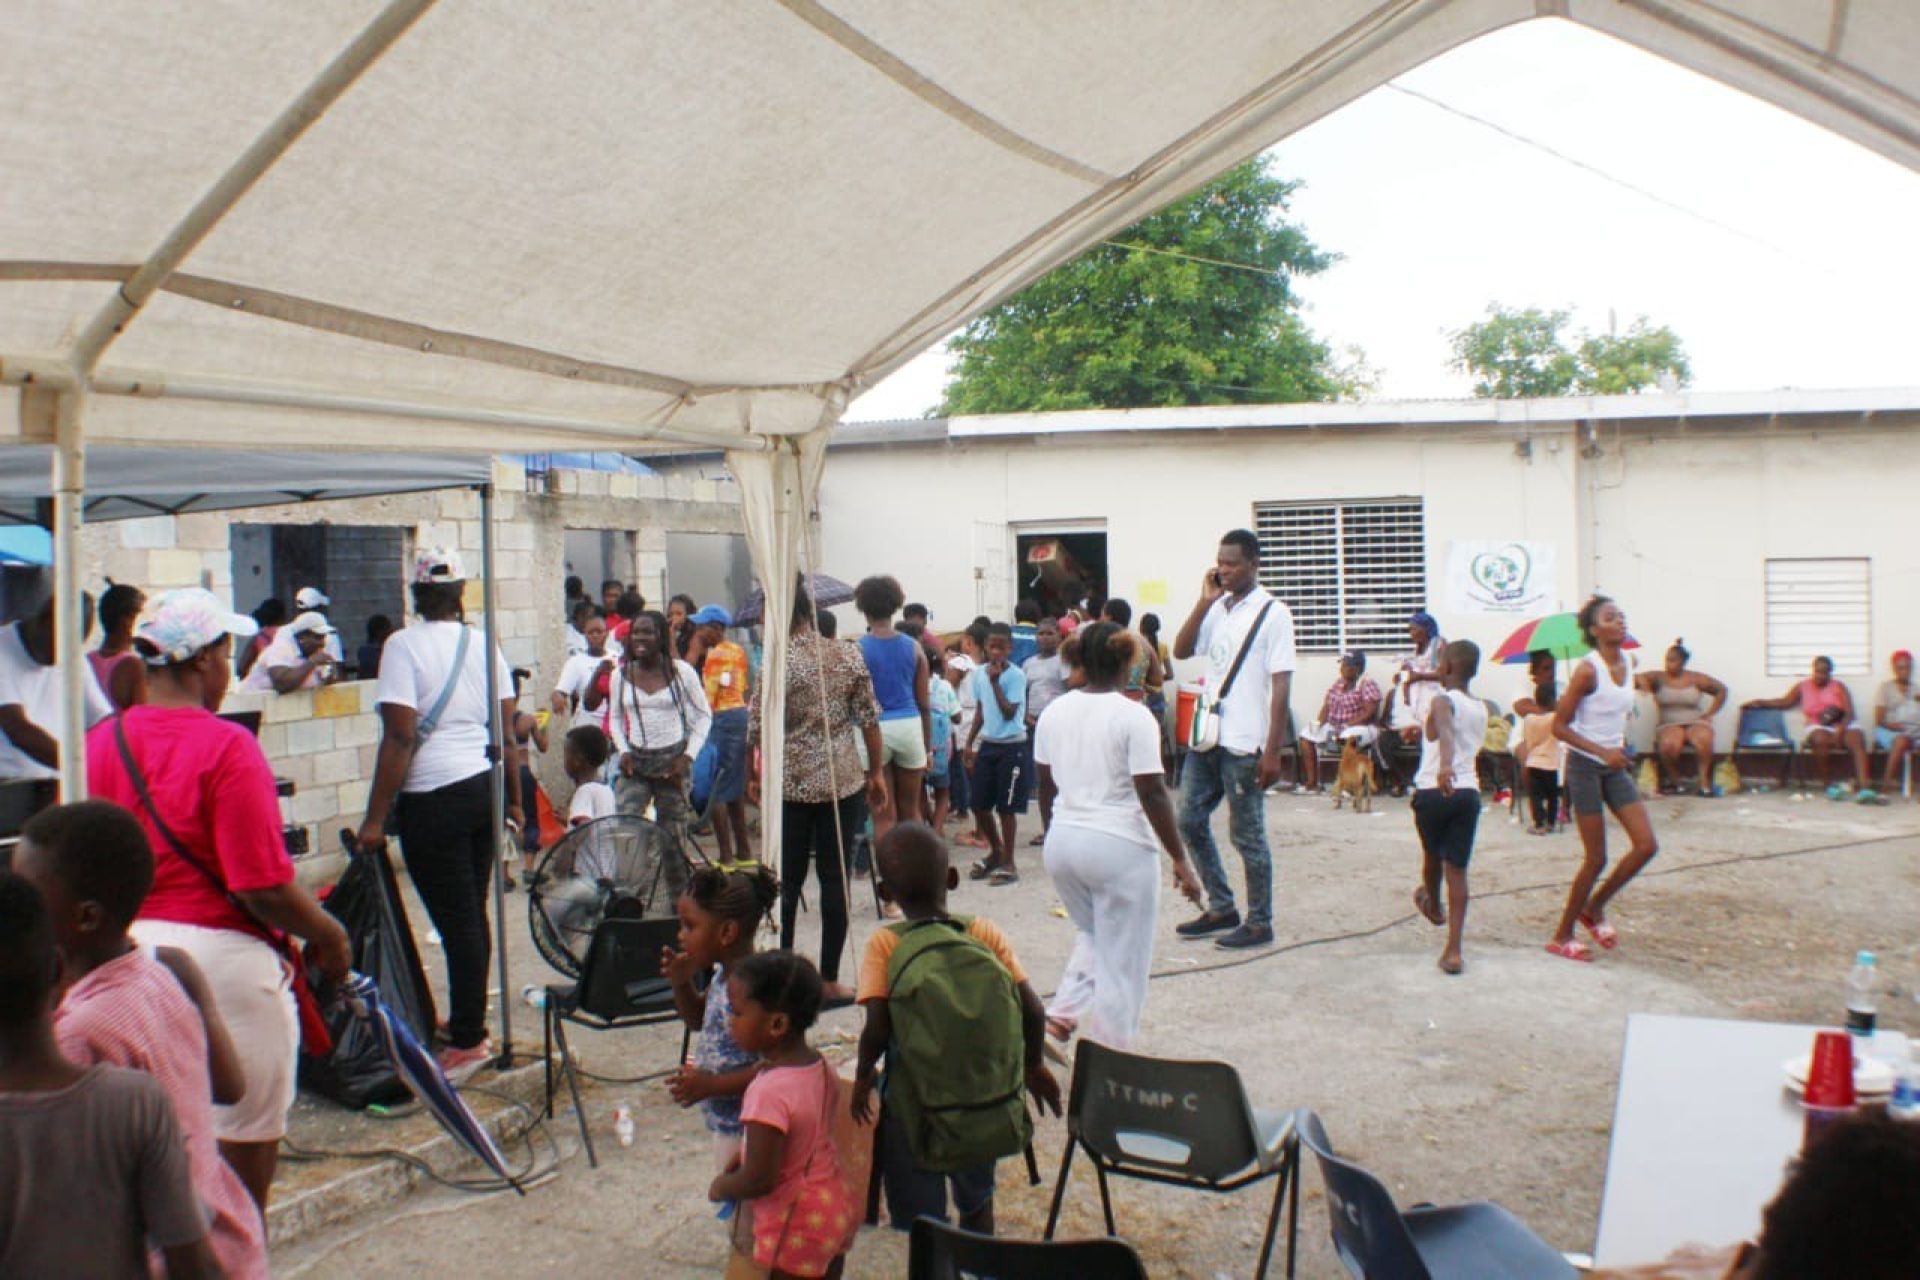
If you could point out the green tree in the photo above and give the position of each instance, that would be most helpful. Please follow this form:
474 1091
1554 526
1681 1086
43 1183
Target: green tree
1174 317
1527 352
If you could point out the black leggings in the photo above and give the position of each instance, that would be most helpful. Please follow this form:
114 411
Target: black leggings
807 834
448 842
1543 796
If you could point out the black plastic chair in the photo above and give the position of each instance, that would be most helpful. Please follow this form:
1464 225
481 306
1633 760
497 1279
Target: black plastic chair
1186 1124
937 1251
1376 1241
620 986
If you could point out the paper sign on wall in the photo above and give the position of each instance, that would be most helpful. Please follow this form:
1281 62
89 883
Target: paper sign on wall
1500 577
1153 591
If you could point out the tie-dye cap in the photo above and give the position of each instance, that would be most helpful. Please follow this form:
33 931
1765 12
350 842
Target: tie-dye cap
437 564
181 623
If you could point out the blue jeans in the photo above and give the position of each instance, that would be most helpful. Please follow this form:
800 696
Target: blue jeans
1210 777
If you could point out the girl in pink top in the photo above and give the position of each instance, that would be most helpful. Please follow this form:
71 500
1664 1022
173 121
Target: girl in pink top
1827 706
804 1215
119 671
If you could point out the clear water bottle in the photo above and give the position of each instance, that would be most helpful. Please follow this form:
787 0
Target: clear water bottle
1905 1102
1863 997
623 1124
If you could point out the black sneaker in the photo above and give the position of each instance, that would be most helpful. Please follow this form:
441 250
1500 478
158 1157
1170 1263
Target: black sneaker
1245 937
1208 922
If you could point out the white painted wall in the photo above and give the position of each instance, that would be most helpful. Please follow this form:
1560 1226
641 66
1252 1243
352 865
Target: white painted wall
1674 519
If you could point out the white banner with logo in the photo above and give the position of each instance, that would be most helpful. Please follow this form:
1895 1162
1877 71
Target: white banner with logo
1501 577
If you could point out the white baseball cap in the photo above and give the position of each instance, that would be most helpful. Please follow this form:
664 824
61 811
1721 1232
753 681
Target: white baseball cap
437 564
316 622
179 624
310 598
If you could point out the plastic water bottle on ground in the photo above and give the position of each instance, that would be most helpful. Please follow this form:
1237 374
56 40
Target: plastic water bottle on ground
1863 997
623 1124
533 996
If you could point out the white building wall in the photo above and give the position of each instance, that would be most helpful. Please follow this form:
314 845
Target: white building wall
1676 520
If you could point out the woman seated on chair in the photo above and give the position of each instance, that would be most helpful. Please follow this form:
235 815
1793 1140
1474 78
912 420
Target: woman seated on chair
1828 709
1896 717
1347 711
1688 701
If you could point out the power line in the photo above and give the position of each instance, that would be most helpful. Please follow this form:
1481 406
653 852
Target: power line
1605 176
1190 257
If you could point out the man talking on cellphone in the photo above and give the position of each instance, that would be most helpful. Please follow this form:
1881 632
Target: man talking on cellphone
1246 639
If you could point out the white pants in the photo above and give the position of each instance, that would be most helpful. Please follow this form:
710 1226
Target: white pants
1111 888
250 986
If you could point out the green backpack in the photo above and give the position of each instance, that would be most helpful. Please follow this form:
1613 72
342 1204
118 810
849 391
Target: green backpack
956 1066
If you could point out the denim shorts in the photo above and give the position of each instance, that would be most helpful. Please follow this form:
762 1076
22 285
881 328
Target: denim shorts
1592 787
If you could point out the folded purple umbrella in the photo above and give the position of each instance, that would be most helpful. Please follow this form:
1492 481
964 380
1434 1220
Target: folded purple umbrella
423 1077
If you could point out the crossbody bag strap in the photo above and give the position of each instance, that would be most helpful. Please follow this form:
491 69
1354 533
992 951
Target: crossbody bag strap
174 842
1239 659
431 720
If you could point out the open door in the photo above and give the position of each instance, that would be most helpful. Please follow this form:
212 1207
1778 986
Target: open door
1061 564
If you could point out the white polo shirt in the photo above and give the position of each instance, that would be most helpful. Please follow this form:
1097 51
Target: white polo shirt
1244 717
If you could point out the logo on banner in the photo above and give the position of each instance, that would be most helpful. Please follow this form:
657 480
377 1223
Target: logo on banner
1500 577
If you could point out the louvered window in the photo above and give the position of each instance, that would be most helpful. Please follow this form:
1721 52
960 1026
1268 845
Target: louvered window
1351 572
1819 608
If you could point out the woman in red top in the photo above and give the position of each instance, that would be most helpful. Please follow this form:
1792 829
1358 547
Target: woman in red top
223 886
1832 721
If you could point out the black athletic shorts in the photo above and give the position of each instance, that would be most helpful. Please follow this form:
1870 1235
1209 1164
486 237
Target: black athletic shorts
1446 824
1000 782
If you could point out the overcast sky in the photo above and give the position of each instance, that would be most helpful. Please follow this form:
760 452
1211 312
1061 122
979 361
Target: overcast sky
1793 259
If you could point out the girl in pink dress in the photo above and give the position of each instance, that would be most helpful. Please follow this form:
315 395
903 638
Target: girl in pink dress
804 1215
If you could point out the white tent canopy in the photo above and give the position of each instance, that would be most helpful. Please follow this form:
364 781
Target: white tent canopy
128 483
495 226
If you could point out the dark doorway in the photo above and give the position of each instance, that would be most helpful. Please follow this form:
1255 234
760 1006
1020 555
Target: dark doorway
1061 570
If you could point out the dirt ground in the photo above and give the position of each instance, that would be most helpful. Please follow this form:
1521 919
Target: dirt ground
1498 1084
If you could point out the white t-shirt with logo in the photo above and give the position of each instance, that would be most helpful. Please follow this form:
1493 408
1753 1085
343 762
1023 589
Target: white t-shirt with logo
35 689
575 678
1095 744
413 669
1246 715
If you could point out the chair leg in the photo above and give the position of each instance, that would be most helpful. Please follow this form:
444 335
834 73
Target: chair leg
1293 1211
1285 1181
1106 1201
1059 1190
573 1087
546 1058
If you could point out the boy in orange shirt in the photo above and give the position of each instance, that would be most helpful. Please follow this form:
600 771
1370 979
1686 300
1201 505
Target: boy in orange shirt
724 669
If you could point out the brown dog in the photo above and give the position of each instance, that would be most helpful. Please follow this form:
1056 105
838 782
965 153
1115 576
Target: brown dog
1356 777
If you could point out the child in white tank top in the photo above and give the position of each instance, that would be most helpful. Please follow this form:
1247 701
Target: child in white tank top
1446 797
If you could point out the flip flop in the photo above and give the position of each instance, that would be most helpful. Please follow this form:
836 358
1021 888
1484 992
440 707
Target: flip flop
1004 875
1038 842
981 869
1603 933
1424 903
1571 949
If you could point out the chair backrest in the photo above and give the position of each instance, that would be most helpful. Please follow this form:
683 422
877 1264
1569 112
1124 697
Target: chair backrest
1763 727
940 1252
1368 1232
621 976
1183 1119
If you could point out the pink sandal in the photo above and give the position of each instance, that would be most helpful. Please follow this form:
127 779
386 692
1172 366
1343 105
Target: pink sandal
1571 949
1603 933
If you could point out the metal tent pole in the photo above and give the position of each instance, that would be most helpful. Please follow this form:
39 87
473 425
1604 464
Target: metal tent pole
497 779
69 514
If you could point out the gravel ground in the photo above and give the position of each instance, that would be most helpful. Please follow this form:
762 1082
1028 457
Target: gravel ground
1498 1084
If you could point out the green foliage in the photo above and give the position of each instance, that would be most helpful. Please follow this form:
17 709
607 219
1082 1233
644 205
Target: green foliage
1515 353
1128 327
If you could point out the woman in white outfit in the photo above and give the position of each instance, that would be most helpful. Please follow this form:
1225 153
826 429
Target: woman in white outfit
1104 799
1592 720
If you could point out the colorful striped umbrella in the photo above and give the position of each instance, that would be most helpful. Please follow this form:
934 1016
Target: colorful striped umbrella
1557 633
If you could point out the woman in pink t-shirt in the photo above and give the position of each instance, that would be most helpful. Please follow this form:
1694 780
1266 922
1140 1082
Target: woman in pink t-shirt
1827 707
223 886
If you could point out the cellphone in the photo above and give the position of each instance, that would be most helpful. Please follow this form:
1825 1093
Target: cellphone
1216 579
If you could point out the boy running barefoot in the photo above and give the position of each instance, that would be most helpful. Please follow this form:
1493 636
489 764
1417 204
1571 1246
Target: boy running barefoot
1446 798
997 756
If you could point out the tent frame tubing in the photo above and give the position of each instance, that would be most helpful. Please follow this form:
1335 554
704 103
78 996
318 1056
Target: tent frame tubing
69 515
498 752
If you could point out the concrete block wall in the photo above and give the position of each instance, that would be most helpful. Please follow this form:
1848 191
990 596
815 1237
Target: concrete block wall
324 739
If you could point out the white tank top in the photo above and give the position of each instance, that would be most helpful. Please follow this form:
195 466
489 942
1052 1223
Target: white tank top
1601 717
1469 732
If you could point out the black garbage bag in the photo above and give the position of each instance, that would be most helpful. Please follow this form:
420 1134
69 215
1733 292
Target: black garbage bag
367 903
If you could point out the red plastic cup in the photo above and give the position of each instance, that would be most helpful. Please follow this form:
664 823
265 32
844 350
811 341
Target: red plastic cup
1829 1094
1830 1077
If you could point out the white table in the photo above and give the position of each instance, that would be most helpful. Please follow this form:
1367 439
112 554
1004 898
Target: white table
1702 1132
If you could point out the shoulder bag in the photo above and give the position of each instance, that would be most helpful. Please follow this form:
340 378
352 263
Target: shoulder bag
314 1039
1204 735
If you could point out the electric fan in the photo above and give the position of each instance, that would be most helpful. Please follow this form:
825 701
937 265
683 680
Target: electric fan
617 867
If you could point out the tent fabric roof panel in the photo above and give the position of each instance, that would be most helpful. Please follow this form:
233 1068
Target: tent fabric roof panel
125 483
